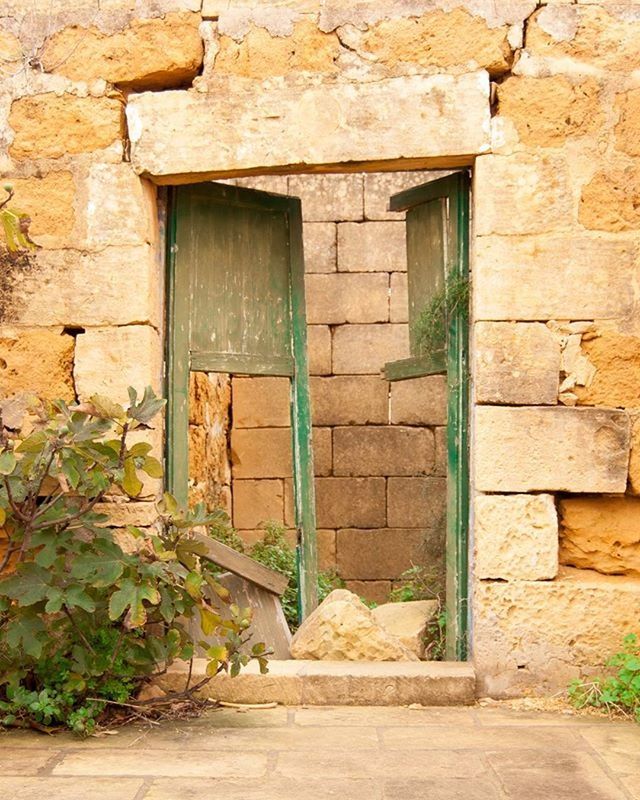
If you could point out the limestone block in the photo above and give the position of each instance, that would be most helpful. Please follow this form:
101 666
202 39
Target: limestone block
416 502
634 457
349 400
342 628
256 502
326 541
372 450
407 621
319 349
551 449
10 52
50 126
245 125
365 349
266 452
420 401
516 537
109 360
338 298
261 402
379 186
37 361
342 502
49 202
535 194
616 382
398 298
611 201
373 591
157 53
278 184
385 553
516 363
440 436
513 276
372 247
319 246
626 131
601 533
548 111
82 289
123 514
541 634
328 197
209 399
209 469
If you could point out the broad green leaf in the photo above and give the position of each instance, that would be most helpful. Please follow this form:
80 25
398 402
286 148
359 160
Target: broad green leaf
167 608
55 601
213 667
169 503
71 473
76 597
147 408
209 621
29 585
33 443
130 597
47 555
26 631
131 484
222 591
152 467
105 407
193 585
7 462
140 449
218 652
101 566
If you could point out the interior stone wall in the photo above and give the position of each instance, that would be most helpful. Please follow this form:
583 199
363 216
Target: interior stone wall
541 99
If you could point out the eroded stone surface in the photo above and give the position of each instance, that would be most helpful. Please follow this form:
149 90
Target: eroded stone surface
407 621
611 200
37 361
49 203
616 382
626 130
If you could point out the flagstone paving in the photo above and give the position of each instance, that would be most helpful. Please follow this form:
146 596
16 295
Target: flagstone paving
351 753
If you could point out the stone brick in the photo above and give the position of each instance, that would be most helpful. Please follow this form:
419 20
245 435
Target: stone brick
328 197
440 437
209 399
266 452
535 194
551 449
320 246
416 503
109 360
49 203
369 450
516 537
516 363
379 186
626 131
601 533
420 401
154 53
324 124
372 247
385 553
372 591
512 276
350 502
260 55
38 362
365 349
548 111
256 502
128 513
261 402
339 298
326 542
634 457
209 466
319 349
349 400
50 126
398 298
611 201
617 379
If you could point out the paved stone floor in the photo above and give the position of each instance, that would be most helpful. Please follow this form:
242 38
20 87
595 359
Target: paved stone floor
350 753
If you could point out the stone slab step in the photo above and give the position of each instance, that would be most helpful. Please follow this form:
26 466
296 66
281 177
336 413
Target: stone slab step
338 683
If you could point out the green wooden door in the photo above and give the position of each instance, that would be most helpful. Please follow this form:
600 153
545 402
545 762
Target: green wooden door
437 227
236 305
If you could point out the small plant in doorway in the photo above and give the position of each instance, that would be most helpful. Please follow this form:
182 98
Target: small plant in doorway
423 583
85 620
430 328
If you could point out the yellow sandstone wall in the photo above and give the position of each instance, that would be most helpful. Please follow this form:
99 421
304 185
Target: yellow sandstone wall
543 100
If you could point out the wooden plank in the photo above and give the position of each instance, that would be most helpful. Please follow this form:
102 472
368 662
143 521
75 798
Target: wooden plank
242 565
242 364
415 367
440 188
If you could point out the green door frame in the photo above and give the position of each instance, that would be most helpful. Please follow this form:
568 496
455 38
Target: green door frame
180 360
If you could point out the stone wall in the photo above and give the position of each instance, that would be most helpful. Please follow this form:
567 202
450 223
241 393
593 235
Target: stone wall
541 99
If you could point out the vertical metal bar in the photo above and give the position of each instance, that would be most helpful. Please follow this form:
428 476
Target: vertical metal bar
303 478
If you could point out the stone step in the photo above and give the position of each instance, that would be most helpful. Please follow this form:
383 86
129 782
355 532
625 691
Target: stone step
338 683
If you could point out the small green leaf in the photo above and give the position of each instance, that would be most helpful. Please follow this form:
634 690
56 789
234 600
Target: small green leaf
7 462
76 597
218 652
209 621
131 484
193 585
152 467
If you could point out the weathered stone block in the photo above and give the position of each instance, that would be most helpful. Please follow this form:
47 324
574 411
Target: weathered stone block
319 349
398 298
109 360
551 449
372 247
320 246
350 501
326 541
416 502
322 125
370 450
611 201
407 621
365 349
626 131
516 363
616 383
601 533
513 276
373 591
38 362
634 457
440 436
328 197
385 553
379 186
421 401
49 203
157 53
340 298
261 402
266 452
516 537
209 399
50 126
123 514
256 502
349 400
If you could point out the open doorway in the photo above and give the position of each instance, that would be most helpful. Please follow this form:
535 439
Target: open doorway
390 476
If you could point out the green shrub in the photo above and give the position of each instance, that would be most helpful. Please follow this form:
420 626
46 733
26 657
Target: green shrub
82 621
422 583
